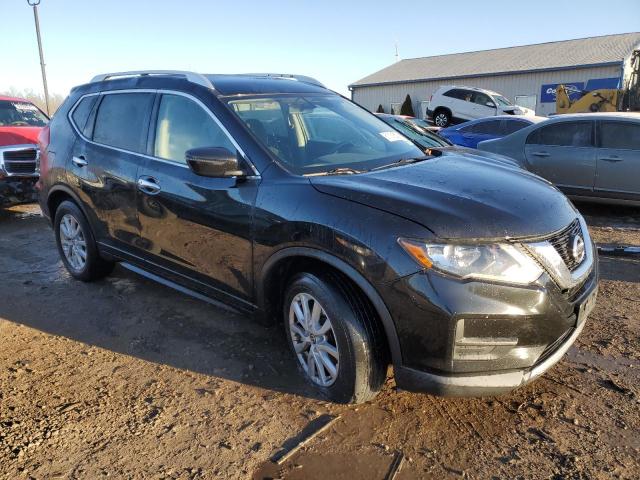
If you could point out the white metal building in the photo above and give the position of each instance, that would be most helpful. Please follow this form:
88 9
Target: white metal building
527 75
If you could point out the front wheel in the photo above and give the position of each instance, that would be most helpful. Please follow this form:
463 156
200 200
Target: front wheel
334 338
441 118
76 245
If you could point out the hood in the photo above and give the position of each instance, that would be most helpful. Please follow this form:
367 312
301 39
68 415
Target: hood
516 110
18 135
473 154
455 196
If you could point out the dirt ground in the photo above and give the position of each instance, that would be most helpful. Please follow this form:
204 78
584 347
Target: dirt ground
126 378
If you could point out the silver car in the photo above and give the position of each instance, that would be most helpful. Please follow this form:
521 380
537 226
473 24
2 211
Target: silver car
589 156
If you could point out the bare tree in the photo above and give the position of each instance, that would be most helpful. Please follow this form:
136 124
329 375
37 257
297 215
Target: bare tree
55 100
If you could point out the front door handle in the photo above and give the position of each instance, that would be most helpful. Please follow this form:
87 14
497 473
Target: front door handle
79 161
540 154
148 185
612 158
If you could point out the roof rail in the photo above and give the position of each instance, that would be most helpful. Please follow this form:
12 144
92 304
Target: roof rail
190 76
291 76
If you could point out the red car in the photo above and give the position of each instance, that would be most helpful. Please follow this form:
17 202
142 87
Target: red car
20 123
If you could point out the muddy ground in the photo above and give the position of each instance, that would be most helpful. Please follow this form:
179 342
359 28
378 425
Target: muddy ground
125 378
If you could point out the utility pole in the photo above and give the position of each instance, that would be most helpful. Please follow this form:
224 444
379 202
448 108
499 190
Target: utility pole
34 4
397 54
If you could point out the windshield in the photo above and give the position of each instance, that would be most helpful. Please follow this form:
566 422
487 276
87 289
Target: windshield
21 114
317 133
423 137
501 100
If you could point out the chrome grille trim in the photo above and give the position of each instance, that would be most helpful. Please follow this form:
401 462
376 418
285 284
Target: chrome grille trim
550 258
20 160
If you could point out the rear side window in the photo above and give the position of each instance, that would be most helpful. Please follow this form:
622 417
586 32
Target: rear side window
122 121
622 135
490 127
566 134
458 94
182 125
511 126
81 112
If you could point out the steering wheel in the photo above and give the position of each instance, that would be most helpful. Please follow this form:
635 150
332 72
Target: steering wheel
19 123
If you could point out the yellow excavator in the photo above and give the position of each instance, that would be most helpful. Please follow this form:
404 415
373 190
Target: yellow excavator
605 99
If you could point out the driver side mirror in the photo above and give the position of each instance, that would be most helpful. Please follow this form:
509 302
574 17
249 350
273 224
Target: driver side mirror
490 105
216 162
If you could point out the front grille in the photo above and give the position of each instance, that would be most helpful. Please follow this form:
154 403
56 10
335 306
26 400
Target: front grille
562 242
21 162
20 168
26 154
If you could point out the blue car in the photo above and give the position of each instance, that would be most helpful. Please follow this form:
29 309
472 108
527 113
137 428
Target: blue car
469 134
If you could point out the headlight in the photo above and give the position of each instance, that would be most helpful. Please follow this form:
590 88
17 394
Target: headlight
497 262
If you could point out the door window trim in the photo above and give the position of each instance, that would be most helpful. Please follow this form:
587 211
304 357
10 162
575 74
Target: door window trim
256 173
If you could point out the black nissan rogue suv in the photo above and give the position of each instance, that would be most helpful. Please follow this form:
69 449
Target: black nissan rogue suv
283 198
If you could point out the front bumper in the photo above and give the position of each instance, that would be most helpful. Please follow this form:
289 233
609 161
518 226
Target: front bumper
532 326
16 190
493 383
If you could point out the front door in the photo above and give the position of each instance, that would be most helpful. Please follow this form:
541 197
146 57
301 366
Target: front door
194 225
483 106
564 154
619 159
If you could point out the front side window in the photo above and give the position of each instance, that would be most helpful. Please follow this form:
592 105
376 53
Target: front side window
182 125
566 134
620 135
122 121
21 114
482 99
318 132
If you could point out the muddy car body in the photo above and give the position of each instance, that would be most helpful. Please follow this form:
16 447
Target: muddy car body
469 277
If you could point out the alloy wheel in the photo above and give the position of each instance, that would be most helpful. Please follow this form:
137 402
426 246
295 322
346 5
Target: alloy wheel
314 339
72 240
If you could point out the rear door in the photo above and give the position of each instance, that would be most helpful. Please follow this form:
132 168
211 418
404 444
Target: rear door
618 159
194 225
106 158
564 154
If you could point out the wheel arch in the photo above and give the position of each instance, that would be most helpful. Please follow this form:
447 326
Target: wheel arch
58 194
267 285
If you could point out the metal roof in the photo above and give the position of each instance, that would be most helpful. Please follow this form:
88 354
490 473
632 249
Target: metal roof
581 52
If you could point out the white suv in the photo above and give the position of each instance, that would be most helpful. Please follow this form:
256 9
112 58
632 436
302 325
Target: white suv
458 104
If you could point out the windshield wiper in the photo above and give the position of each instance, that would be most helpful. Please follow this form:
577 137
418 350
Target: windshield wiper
402 161
341 171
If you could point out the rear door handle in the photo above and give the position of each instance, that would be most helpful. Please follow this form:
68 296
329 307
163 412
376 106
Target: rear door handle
612 158
540 154
79 161
148 185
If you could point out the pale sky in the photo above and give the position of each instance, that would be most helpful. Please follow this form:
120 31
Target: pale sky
336 42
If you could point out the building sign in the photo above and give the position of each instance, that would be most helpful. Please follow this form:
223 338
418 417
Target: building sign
548 93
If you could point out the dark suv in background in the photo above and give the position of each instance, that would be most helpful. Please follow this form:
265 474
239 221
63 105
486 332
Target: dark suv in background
282 198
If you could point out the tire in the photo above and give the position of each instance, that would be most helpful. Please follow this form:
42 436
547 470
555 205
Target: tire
441 118
70 220
361 362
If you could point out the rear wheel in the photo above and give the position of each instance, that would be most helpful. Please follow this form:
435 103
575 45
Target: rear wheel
441 118
335 344
77 246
